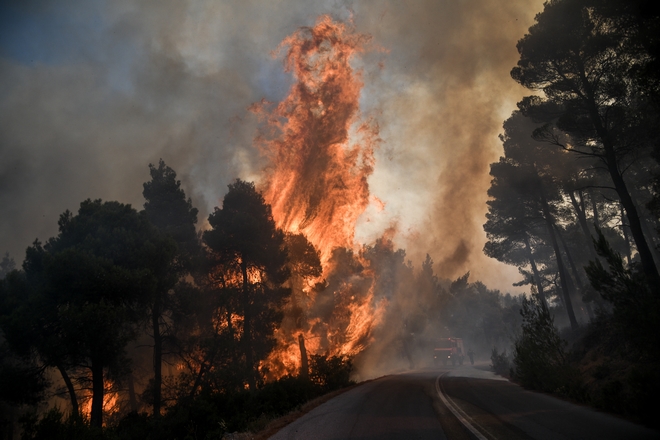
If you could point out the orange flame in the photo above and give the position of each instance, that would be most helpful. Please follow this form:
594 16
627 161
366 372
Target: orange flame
321 154
317 181
110 400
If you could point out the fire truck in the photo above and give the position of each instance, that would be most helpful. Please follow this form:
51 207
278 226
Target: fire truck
448 350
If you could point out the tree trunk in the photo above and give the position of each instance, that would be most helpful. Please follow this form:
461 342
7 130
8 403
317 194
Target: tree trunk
247 329
203 368
132 399
75 410
560 264
96 417
576 275
304 365
594 207
158 354
582 220
537 276
649 231
626 239
645 255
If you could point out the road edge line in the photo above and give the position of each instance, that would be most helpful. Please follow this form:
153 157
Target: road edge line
459 413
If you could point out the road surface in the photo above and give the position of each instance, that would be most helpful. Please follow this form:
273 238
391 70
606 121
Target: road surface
454 403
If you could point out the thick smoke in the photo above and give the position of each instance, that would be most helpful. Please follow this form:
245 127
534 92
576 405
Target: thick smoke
92 92
444 93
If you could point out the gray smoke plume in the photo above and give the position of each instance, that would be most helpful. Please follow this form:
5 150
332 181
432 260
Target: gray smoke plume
92 92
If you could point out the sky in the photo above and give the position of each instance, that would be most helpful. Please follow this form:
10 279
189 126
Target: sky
92 92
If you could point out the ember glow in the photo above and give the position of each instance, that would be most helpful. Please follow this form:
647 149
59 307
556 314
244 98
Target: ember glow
321 153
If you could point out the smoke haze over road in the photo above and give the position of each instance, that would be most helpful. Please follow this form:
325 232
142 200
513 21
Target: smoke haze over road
92 92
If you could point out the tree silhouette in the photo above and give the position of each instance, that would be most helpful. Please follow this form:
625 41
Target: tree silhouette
250 252
524 187
168 209
587 64
22 375
86 288
7 264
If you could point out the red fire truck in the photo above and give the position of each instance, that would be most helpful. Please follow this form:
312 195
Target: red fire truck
448 350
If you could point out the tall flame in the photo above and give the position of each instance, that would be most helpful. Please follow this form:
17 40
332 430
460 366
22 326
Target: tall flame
321 153
317 179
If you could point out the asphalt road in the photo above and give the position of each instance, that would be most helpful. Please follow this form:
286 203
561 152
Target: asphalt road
454 403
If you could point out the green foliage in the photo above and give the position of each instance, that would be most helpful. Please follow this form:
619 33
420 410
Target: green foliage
526 192
500 362
484 318
596 63
636 305
137 426
627 339
304 258
589 58
244 233
540 355
167 208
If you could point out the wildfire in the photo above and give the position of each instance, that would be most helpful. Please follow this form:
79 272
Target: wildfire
222 323
317 180
363 317
321 153
110 400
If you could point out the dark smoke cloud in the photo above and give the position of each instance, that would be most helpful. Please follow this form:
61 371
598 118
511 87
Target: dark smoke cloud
92 92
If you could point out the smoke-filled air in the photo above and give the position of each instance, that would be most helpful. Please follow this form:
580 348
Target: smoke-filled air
216 211
93 97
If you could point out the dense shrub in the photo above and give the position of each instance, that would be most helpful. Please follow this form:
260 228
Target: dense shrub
500 363
330 373
616 378
136 426
55 426
540 355
208 415
644 385
635 303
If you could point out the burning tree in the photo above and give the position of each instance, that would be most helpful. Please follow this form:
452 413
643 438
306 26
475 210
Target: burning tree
305 266
317 178
249 255
321 153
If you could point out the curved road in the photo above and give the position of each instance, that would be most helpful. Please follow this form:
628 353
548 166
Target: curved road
454 403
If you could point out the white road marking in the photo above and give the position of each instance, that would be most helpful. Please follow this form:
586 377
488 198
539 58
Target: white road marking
458 412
